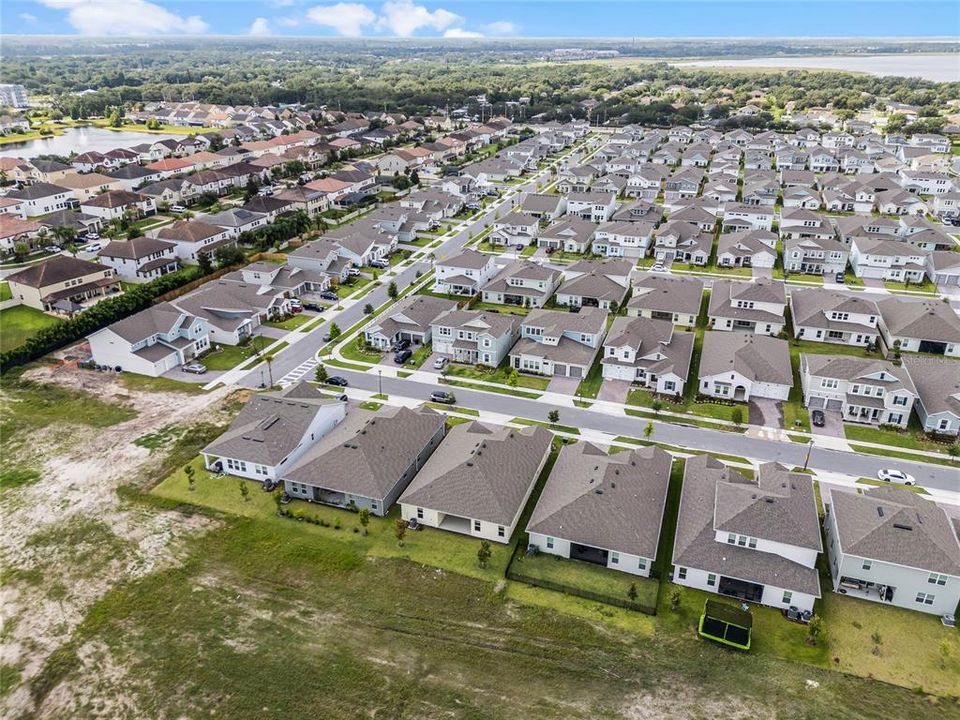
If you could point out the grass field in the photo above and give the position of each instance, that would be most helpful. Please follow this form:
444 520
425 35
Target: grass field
229 356
291 323
5 293
18 324
470 372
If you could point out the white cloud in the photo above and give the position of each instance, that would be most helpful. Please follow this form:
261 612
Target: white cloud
288 21
502 27
457 33
282 3
403 18
125 17
346 18
27 17
260 27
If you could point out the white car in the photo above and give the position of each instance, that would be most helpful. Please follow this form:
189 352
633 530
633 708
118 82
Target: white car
353 272
93 247
178 209
658 267
440 363
896 476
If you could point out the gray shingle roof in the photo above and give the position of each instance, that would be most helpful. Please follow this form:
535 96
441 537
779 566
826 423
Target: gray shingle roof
667 293
613 502
660 348
810 305
893 525
937 381
757 357
481 472
923 319
847 367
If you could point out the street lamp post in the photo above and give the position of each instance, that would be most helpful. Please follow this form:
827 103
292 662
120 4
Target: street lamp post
806 460
380 381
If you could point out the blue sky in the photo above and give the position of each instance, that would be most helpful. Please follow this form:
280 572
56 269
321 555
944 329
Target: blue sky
485 18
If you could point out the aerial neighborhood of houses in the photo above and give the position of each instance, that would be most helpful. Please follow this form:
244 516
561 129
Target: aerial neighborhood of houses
798 288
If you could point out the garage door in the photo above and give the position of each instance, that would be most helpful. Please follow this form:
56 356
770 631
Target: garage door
834 405
929 346
576 371
559 369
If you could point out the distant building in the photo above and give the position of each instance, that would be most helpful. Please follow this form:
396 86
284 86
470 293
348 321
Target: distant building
13 96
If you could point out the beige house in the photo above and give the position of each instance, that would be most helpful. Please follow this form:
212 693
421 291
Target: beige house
61 278
84 186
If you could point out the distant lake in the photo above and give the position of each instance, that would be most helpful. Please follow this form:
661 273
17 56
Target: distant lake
79 140
938 68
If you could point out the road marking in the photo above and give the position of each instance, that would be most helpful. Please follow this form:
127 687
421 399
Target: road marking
298 372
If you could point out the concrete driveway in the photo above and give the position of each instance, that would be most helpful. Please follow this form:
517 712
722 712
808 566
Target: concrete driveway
759 272
563 385
833 425
428 365
873 283
614 391
766 412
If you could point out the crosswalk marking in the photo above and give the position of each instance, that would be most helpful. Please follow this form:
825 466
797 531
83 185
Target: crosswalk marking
298 372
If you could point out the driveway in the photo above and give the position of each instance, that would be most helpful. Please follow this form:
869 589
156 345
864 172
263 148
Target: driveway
833 425
428 365
761 272
178 374
614 391
563 385
766 412
873 283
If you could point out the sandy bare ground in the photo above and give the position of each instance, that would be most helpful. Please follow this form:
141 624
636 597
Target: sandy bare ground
50 584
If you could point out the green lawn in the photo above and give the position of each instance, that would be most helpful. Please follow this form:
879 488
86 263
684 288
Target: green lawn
419 356
229 356
534 382
925 287
548 425
528 251
291 323
497 308
642 397
352 351
590 386
912 438
880 483
500 390
585 576
5 293
18 324
911 456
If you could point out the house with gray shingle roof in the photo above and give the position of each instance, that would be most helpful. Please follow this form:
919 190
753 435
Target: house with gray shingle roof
572 234
603 509
408 319
272 432
554 342
756 306
938 394
814 256
747 248
863 390
894 547
523 284
828 316
752 539
596 283
928 325
659 296
474 337
465 272
544 207
478 481
741 365
651 353
140 259
368 459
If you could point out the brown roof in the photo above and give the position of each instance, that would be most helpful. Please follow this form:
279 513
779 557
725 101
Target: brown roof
56 270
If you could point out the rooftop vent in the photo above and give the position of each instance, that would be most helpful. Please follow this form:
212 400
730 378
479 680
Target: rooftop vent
879 512
901 526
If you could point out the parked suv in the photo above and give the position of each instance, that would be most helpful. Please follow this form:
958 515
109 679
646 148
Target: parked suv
442 396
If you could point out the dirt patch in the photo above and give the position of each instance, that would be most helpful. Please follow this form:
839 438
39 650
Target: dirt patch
69 538
683 703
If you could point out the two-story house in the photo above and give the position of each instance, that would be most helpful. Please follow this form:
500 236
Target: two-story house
829 316
888 260
554 342
651 353
756 306
465 272
62 282
410 319
473 337
140 259
814 256
594 206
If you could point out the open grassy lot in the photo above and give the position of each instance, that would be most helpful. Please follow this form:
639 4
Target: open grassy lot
19 324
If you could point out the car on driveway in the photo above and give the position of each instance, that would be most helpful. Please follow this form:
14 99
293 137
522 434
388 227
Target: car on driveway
337 380
195 368
658 267
402 356
819 419
892 475
442 396
840 278
329 295
382 264
440 363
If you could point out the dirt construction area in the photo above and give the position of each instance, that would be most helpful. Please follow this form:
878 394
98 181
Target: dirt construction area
68 537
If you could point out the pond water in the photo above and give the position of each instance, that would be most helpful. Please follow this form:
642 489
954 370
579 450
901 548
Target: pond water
79 140
938 68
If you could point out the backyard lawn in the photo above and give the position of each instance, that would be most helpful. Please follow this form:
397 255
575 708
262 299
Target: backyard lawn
18 324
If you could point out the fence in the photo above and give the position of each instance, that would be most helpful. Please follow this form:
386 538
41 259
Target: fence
579 592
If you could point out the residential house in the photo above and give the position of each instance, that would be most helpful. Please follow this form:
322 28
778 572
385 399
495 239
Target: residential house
887 260
813 256
572 235
465 272
15 231
544 207
594 206
920 325
62 282
756 540
367 460
804 224
410 319
828 316
473 337
863 390
590 283
554 342
651 353
514 229
892 547
193 237
603 509
756 306
41 198
117 204
523 284
151 342
237 220
682 242
938 397
675 298
140 259
234 310
943 267
747 217
478 481
86 186
747 248
272 432
744 365
623 239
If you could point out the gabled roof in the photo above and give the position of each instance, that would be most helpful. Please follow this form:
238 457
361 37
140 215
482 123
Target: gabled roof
759 358
668 293
481 472
612 502
56 270
135 248
851 368
926 319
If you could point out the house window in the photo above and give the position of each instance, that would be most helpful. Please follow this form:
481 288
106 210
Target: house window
937 579
925 598
419 513
374 505
614 558
501 532
732 538
669 386
681 573
829 383
787 597
642 563
867 564
711 579
899 400
549 543
751 542
476 526
742 540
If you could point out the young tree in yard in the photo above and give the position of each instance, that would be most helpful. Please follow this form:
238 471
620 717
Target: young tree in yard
268 359
320 374
483 554
656 406
675 597
392 290
278 500
814 629
736 416
253 187
632 592
334 331
400 530
244 491
513 377
553 416
364 518
648 430
614 307
203 262
368 309
189 471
